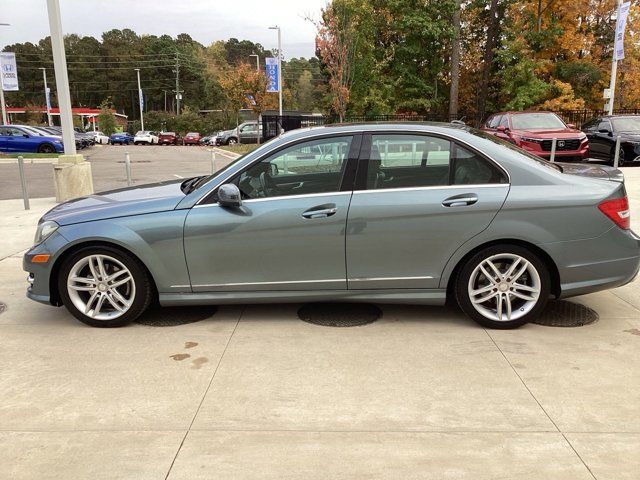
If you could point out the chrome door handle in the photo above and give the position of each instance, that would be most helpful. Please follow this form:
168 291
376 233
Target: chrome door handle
460 200
326 212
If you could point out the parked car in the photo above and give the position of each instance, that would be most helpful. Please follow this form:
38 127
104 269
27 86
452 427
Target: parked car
56 132
81 140
121 138
206 139
101 138
192 138
17 139
89 137
146 137
248 132
603 132
169 138
385 213
535 131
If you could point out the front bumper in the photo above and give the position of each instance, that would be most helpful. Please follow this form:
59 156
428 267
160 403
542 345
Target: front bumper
39 274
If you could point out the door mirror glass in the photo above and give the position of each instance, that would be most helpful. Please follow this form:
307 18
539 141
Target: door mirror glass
229 195
501 128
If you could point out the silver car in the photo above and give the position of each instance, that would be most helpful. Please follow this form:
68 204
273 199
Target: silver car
386 213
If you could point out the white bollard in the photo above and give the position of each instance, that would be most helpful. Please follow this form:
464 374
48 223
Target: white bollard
616 156
213 161
23 183
552 158
127 166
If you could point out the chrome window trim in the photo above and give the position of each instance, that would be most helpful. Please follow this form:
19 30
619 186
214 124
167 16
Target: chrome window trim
331 280
437 187
363 130
282 197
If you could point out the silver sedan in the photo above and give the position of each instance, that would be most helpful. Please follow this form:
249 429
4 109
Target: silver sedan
386 213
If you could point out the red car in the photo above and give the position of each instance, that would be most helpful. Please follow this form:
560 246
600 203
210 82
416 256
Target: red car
535 131
169 138
192 138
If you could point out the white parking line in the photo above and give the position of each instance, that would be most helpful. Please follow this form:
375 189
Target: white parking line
178 176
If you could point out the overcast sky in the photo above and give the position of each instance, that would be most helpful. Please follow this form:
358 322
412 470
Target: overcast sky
205 20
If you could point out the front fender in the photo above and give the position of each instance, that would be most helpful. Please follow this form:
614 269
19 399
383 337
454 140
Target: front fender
156 239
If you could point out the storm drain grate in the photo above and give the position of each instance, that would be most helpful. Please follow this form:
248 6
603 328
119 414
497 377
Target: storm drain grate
3 307
174 316
339 314
560 313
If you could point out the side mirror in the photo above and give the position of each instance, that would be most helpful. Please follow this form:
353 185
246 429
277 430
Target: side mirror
229 195
25 135
501 128
571 125
273 170
604 130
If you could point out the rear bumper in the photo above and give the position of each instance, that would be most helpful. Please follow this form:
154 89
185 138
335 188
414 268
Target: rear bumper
591 265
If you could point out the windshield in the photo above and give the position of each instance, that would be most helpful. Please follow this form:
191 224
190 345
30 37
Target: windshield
515 148
626 124
537 121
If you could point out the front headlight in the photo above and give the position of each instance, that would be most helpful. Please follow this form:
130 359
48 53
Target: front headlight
57 141
44 231
532 140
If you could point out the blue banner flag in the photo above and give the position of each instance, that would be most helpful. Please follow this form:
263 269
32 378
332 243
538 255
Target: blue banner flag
272 74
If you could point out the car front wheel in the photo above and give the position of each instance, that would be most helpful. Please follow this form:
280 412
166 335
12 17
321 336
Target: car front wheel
104 287
503 286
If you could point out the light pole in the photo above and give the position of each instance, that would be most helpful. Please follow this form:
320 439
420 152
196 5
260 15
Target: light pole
140 101
62 78
279 70
257 60
2 104
46 95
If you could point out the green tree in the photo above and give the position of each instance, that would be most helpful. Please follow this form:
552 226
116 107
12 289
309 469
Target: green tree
106 118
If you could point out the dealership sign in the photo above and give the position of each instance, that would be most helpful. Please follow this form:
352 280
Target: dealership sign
272 74
621 23
9 71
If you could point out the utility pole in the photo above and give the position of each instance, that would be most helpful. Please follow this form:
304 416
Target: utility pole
62 78
2 104
46 96
177 84
140 100
165 100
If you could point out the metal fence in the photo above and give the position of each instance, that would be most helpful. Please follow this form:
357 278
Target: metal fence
272 124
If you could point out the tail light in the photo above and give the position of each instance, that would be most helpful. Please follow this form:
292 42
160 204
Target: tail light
618 211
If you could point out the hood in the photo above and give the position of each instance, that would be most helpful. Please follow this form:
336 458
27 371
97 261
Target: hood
593 171
630 136
560 133
138 200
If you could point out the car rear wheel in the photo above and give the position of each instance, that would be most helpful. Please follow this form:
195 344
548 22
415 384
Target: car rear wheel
232 141
46 148
503 286
104 287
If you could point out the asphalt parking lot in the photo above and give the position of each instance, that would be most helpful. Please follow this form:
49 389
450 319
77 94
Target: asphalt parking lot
254 392
148 164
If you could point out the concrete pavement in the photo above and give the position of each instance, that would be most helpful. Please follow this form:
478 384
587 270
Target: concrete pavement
252 392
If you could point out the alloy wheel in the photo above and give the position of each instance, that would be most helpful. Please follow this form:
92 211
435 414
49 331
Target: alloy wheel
101 287
504 287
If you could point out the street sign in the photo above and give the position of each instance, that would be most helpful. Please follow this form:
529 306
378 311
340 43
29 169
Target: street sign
621 24
272 74
141 96
9 71
606 93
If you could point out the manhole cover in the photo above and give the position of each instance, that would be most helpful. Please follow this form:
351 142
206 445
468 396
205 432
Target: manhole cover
3 307
174 316
560 313
339 314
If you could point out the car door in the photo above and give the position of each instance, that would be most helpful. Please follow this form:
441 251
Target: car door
417 199
289 233
249 133
7 143
601 145
22 141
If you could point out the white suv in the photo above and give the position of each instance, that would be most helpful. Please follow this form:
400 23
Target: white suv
147 137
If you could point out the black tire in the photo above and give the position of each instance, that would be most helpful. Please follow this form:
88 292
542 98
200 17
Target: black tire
46 148
144 292
232 141
464 275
